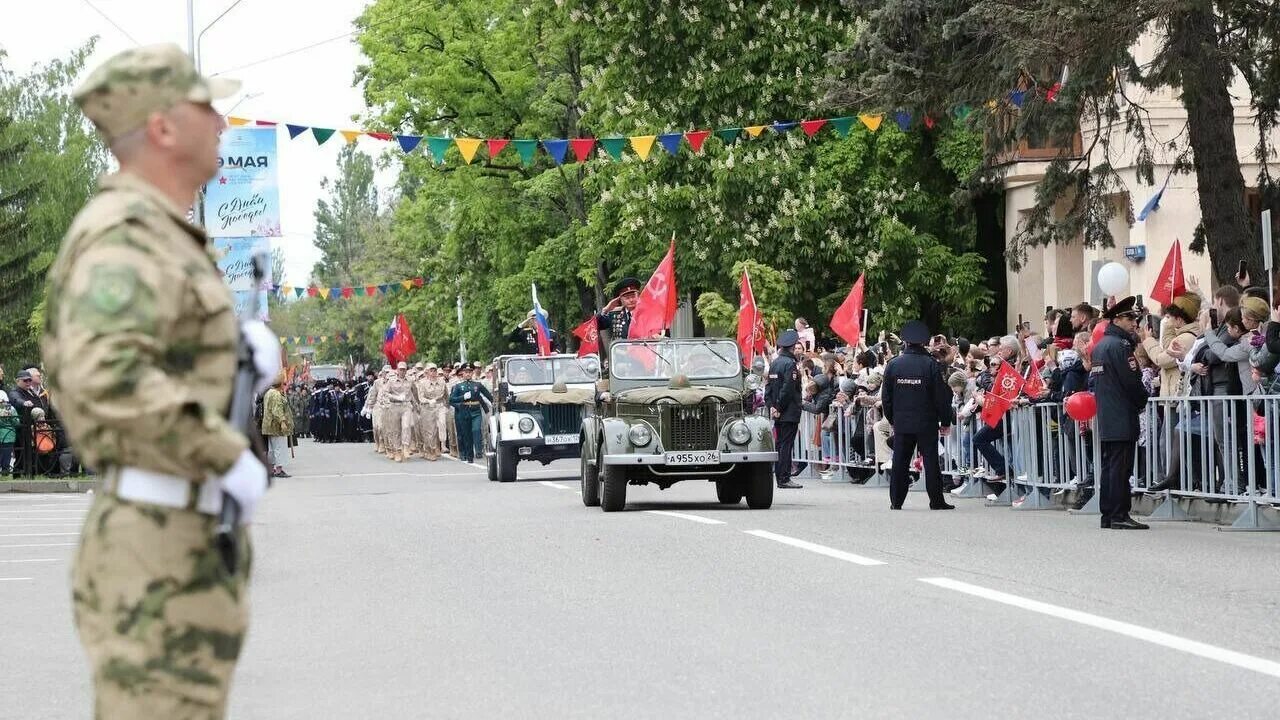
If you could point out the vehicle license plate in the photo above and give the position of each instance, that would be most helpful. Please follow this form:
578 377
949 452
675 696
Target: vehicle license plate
699 457
565 439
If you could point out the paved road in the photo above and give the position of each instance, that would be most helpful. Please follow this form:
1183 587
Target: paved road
424 591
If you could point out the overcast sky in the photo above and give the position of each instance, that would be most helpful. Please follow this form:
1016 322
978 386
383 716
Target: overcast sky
309 87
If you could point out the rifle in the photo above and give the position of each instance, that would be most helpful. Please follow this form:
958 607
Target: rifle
241 417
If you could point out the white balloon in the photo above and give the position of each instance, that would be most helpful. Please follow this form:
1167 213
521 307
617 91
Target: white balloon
1113 278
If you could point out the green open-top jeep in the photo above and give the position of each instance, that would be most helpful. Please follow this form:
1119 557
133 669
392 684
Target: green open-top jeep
672 410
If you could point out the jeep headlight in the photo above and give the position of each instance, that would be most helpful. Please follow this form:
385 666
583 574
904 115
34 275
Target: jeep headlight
739 433
640 435
526 424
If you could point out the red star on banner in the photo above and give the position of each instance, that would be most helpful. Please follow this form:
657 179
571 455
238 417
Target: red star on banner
222 180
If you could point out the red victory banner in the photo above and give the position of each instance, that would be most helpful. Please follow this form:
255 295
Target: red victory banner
657 305
847 322
1008 383
751 340
588 334
398 343
1171 282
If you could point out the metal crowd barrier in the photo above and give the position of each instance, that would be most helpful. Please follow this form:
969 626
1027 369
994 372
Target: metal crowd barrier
1208 448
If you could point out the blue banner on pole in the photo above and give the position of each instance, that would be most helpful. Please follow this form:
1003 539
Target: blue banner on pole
243 199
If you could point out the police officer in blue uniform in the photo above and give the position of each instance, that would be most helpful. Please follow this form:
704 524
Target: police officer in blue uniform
616 316
782 396
917 403
1121 398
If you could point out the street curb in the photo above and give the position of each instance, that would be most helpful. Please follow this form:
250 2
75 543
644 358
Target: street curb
76 485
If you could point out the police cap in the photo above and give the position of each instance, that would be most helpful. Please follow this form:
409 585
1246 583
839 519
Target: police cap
915 332
1125 308
788 338
626 284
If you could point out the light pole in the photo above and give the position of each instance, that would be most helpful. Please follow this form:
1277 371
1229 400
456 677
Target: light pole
193 48
462 341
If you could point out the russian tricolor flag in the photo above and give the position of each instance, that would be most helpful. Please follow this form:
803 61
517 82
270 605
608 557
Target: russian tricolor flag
540 325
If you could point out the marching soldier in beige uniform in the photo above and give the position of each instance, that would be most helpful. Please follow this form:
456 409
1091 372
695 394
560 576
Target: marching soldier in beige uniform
419 446
398 422
140 342
433 404
370 411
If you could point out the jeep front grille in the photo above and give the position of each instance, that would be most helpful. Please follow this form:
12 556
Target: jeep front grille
691 427
562 419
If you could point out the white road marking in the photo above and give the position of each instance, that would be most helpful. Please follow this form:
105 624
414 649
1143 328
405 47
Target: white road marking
686 516
12 579
2 547
30 561
30 525
1137 632
557 486
33 512
46 505
815 548
37 534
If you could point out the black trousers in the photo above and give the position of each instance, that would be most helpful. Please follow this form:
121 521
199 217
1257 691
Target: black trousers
786 444
905 446
1117 464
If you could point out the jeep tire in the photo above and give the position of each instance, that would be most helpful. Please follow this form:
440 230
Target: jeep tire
492 462
613 495
729 490
758 479
590 481
506 461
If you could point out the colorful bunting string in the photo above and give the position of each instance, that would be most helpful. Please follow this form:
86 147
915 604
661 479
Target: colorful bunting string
641 145
297 292
314 339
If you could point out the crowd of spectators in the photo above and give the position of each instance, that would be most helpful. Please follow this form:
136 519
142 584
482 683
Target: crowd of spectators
32 441
1226 344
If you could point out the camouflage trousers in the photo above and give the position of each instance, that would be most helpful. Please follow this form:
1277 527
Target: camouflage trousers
159 616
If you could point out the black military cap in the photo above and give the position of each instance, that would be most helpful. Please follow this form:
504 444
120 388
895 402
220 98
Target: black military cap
788 338
626 284
915 332
1125 308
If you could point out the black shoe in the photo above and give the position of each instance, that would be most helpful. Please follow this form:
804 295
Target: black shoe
1166 484
283 474
1128 524
895 506
788 485
1106 523
941 506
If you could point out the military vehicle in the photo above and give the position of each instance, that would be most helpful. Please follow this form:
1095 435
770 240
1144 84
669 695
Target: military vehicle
538 408
674 410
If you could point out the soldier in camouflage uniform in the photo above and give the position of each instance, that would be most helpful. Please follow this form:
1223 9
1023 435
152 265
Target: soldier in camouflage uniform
398 420
370 411
433 404
140 343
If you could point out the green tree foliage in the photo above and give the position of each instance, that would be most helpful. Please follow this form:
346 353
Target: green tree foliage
346 219
50 158
811 215
933 57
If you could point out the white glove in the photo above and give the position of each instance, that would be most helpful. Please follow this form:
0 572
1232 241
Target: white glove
466 396
246 481
365 413
265 347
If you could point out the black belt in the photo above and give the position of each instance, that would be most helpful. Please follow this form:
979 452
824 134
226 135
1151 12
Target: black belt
472 403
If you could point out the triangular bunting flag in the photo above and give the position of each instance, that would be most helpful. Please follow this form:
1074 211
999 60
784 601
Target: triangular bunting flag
438 147
872 121
903 118
842 125
348 292
312 292
299 291
324 293
929 122
408 142
1017 97
642 144
781 127
350 135
295 130
962 111
324 338
1051 95
755 130
811 127
335 293
728 135
696 138
264 123
495 145
468 147
359 291
285 290
419 282
526 148
311 339
671 142
237 121
383 289
613 146
393 288
297 339
321 134
556 149
406 284
582 148
284 340
386 137
370 290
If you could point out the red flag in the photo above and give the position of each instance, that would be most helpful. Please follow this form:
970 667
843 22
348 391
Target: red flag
1008 383
398 343
588 334
750 325
657 305
1034 386
1171 282
847 322
993 408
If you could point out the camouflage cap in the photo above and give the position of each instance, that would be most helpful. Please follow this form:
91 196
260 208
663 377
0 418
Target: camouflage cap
122 92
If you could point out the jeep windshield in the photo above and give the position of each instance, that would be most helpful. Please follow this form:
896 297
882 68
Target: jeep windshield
664 359
551 370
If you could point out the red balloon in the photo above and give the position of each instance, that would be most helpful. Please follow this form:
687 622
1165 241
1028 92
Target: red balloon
1081 406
